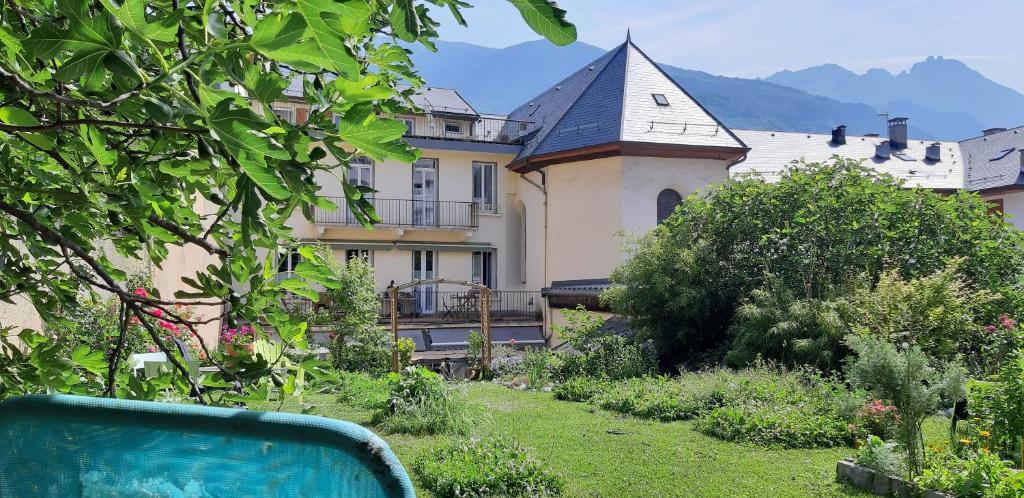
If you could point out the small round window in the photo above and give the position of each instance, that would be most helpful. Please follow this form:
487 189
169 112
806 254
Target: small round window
668 199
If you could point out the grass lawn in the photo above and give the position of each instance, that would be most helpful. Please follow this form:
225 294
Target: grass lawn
600 453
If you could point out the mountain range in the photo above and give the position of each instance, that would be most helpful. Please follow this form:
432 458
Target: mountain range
944 98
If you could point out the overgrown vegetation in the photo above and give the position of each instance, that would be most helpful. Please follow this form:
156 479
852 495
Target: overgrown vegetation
360 343
420 402
478 468
803 242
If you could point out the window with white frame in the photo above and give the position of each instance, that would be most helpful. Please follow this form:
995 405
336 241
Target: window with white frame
483 268
485 186
285 114
287 262
364 254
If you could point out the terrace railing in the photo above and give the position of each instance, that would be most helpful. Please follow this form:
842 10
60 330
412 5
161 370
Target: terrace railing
438 215
434 306
481 129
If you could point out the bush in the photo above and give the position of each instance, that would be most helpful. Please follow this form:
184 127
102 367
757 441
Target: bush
880 456
406 347
774 325
816 229
941 313
493 468
907 380
360 343
420 402
581 389
800 425
877 419
599 353
997 407
366 350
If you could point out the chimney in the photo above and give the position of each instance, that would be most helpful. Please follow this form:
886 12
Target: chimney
933 152
883 150
898 133
839 135
991 131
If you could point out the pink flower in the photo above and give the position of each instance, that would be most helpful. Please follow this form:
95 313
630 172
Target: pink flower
168 325
1008 323
139 291
157 312
134 320
990 329
151 348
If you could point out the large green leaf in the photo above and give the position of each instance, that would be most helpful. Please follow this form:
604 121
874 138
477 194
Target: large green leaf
241 131
327 37
378 138
20 117
547 19
132 14
404 21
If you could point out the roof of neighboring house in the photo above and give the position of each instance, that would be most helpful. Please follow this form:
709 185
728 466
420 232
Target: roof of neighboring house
994 160
772 152
442 100
582 287
611 100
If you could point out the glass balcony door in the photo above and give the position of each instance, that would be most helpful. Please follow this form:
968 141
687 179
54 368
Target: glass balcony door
424 266
360 173
424 192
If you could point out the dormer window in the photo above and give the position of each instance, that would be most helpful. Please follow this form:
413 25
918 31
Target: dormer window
659 98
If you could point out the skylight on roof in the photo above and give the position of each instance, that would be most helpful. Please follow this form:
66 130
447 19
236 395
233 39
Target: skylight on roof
903 156
1001 154
660 99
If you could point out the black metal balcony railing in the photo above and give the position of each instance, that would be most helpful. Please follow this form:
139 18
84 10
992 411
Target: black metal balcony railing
481 129
440 215
434 306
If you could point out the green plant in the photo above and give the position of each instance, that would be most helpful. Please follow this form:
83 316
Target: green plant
908 381
800 425
998 406
361 390
421 403
474 349
974 475
136 129
600 353
538 363
774 325
880 456
485 468
406 347
941 312
581 389
816 230
877 419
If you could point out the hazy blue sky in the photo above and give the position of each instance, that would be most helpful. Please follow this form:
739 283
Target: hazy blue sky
751 38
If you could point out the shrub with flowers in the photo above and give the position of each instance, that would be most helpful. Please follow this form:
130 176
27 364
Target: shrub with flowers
970 474
876 419
998 342
96 324
238 336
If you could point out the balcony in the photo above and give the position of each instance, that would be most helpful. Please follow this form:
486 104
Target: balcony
407 213
466 128
423 306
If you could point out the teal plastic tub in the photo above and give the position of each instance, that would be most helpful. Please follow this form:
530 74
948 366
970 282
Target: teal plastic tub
73 446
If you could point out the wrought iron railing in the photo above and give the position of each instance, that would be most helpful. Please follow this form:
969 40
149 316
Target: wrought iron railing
480 129
424 305
441 215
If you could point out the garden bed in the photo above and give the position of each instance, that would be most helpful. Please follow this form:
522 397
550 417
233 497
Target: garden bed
878 483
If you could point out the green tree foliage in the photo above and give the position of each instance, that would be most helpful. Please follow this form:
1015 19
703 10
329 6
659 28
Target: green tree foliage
818 228
907 380
941 313
774 325
120 120
360 343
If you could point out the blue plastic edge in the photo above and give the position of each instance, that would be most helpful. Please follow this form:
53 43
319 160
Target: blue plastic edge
306 427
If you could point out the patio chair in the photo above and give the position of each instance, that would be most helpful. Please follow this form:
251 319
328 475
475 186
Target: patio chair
72 446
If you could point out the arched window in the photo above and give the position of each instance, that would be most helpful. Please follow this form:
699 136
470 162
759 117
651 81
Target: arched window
668 199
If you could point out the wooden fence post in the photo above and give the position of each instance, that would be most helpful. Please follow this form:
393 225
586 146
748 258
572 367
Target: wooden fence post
395 364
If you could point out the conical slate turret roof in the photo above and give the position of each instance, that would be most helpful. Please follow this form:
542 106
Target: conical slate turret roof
622 99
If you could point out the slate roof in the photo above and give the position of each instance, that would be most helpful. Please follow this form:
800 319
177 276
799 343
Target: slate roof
611 100
773 151
990 162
